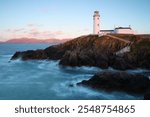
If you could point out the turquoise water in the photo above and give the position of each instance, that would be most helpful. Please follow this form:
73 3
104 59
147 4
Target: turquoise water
46 80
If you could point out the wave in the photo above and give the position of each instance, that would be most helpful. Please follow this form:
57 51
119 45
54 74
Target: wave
80 70
46 64
6 55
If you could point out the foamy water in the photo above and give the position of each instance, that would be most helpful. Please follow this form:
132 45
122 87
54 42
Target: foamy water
45 79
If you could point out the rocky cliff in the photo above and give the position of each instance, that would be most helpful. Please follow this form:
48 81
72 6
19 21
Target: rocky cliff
97 51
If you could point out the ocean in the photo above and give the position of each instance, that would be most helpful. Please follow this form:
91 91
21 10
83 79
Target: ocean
46 80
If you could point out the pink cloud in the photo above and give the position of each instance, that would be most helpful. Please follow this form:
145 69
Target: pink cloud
37 33
58 33
33 31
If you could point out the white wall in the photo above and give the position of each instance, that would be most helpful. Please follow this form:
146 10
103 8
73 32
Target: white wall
96 23
123 31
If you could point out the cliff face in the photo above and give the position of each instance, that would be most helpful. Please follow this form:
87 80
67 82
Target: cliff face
92 51
96 51
140 53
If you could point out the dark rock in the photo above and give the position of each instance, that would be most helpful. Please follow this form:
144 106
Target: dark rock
118 81
147 95
139 56
121 63
54 52
16 55
71 85
77 58
30 54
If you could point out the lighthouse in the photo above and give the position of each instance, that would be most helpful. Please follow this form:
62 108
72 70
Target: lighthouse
96 23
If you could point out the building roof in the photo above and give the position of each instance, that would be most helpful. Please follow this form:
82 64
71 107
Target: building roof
106 30
123 28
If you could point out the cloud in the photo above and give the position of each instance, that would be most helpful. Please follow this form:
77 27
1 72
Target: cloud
15 30
8 30
57 33
33 25
37 33
30 25
18 30
33 31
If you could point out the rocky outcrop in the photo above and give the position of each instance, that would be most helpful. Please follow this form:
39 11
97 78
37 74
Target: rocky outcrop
118 81
30 54
97 51
52 52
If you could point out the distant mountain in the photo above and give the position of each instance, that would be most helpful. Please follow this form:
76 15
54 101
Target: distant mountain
33 40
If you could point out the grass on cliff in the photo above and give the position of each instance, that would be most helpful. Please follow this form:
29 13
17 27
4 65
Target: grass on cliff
144 43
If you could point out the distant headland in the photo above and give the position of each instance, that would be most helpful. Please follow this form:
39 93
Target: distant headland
34 40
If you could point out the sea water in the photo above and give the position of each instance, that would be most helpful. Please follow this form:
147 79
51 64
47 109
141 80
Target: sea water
45 79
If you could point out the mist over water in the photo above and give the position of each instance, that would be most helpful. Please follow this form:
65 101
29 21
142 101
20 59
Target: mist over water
43 79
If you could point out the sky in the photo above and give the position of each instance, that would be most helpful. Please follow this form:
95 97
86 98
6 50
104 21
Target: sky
45 19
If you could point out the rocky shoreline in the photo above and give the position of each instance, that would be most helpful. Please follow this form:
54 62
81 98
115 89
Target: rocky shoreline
93 50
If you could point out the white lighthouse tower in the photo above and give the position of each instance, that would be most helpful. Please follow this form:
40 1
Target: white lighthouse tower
96 22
